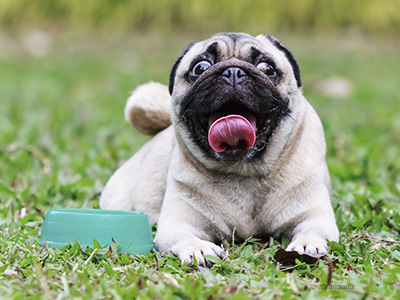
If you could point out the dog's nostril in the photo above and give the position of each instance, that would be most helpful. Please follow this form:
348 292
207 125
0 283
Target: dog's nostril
240 73
234 75
227 73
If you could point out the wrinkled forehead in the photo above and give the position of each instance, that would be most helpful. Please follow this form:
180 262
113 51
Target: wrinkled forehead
234 45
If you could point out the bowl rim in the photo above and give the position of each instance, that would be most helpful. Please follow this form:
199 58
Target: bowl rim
95 211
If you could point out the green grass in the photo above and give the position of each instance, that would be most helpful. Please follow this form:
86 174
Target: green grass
62 135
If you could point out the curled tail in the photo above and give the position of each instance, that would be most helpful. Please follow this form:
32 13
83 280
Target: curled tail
148 108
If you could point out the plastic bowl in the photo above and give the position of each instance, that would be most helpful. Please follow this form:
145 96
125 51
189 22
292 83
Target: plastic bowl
132 229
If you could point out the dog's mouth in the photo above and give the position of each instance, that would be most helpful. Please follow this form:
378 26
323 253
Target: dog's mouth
234 131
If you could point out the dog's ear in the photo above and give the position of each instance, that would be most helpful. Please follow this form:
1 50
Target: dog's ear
175 67
289 56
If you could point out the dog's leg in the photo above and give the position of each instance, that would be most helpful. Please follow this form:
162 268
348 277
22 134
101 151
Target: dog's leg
184 230
315 220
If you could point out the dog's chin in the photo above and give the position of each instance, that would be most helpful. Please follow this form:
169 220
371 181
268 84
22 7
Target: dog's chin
198 123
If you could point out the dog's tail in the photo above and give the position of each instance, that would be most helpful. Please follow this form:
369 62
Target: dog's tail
148 108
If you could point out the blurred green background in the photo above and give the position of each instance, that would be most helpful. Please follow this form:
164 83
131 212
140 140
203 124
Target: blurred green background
371 16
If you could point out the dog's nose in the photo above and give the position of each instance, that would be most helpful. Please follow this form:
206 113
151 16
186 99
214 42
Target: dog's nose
234 75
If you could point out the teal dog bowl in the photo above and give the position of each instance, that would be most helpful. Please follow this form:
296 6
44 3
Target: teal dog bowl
132 229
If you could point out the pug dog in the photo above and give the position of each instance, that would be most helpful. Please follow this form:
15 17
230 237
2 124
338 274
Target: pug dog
237 152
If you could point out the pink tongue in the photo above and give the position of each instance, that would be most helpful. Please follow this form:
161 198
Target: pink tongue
232 130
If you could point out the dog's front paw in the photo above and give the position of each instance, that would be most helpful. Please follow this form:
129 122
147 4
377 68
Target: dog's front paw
189 251
312 246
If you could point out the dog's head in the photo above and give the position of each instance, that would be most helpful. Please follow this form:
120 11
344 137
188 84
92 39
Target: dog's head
230 93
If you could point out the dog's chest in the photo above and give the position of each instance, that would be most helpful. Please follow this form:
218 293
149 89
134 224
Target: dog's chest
237 205
227 203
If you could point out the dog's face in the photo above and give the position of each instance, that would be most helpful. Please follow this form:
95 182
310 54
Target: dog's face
230 94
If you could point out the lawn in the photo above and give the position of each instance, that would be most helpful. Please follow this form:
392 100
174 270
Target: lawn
62 135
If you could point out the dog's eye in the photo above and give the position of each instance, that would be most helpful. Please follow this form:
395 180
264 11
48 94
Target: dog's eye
267 69
200 67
